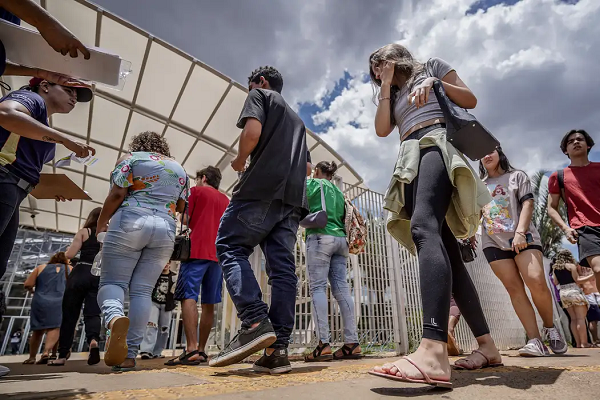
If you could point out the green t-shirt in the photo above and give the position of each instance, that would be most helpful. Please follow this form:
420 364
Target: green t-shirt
334 202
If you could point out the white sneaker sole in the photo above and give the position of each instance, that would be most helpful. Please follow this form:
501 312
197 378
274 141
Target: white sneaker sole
273 371
527 353
260 343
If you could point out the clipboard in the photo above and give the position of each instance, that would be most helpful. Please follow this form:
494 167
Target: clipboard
52 185
26 47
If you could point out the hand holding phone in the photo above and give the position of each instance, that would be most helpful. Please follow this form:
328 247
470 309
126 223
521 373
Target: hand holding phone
520 244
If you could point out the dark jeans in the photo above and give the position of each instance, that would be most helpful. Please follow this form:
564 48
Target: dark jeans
11 197
82 289
272 225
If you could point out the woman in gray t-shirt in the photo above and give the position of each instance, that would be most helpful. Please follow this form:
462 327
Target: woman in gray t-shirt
512 246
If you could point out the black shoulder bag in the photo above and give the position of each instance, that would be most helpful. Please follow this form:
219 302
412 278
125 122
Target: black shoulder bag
183 244
466 251
463 130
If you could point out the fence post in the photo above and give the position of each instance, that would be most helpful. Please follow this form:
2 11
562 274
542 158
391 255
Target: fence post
398 303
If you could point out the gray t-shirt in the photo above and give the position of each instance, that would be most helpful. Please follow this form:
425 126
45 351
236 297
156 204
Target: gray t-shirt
501 216
407 115
277 169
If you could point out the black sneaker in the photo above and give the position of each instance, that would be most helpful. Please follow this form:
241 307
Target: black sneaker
276 363
146 356
245 343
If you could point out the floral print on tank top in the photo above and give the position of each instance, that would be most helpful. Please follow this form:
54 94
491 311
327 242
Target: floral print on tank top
153 181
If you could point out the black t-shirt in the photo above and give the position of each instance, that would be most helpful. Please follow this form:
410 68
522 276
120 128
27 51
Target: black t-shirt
277 169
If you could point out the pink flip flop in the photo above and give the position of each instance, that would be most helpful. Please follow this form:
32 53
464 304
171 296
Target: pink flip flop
426 379
487 363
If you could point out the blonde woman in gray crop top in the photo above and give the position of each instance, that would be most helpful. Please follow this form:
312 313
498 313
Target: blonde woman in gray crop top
406 100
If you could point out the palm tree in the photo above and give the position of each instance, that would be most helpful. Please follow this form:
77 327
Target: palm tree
550 234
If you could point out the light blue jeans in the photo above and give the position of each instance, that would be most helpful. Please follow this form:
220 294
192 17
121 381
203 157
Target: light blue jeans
137 246
157 331
326 257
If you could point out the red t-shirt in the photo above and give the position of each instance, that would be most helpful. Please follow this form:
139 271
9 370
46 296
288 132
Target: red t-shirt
582 192
207 206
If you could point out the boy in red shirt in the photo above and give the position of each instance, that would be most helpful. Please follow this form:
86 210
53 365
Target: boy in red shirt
206 207
580 191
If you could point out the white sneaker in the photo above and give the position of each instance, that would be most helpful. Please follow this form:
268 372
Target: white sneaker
557 344
534 348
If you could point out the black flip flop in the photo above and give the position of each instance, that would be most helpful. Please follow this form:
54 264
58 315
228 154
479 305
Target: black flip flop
94 356
43 360
347 353
317 356
184 359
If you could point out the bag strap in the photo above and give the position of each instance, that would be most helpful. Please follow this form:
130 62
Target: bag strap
560 175
323 205
185 208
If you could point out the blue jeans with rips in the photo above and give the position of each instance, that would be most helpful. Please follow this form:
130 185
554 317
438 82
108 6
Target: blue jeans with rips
273 225
137 246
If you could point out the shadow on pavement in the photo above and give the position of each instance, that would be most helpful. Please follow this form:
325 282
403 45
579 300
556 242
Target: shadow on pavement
23 372
511 377
55 395
248 373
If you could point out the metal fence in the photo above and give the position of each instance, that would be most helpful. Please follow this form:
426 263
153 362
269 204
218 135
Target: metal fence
384 284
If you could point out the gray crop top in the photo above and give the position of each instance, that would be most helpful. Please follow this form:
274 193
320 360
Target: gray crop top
407 115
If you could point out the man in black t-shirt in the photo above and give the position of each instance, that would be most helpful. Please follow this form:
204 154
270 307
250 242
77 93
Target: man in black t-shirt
266 207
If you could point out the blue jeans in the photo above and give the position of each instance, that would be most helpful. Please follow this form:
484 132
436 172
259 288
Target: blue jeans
272 225
157 331
137 246
326 256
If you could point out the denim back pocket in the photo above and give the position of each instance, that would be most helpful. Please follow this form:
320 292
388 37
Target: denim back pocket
254 213
131 221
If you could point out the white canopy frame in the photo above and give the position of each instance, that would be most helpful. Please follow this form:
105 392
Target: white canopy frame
169 91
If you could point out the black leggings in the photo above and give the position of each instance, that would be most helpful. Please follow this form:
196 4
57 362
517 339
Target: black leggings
82 289
441 268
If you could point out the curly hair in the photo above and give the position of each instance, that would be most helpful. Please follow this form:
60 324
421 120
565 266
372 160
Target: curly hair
59 258
270 74
151 142
563 257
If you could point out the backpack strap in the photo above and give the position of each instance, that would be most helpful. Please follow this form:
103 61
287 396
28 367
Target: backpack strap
560 174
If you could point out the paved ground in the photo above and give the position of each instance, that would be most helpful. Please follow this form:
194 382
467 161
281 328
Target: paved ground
575 375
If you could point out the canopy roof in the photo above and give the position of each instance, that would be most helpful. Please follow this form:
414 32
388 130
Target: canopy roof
194 106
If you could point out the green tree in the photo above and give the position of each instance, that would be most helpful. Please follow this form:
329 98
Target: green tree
550 234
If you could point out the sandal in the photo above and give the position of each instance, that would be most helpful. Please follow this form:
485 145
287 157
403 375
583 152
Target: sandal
426 379
184 359
118 368
93 356
116 342
44 360
348 352
486 364
29 361
453 349
317 356
53 363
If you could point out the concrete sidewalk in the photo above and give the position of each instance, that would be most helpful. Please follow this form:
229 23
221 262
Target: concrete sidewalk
575 375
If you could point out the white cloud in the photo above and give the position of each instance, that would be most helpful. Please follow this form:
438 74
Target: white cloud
533 67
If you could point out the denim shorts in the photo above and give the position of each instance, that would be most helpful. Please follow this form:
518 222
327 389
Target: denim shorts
194 274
